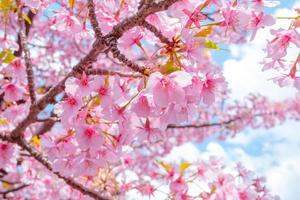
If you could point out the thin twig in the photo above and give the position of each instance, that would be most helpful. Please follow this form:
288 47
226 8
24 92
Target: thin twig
106 72
93 19
4 193
28 62
155 31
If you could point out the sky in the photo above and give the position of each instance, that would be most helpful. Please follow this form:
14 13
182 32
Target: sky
273 153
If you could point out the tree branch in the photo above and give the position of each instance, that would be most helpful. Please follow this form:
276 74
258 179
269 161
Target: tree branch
222 123
28 26
156 32
28 63
4 193
106 72
122 58
93 19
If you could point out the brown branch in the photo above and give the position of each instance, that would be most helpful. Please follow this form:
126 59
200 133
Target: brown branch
122 58
93 19
204 125
4 193
28 26
155 31
46 127
28 63
222 123
106 72
141 15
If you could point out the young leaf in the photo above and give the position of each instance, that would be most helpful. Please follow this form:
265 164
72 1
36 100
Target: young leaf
6 56
184 166
71 3
167 167
204 32
211 45
26 18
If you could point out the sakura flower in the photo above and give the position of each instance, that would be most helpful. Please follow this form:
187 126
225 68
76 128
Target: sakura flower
146 189
33 3
69 108
149 133
131 38
179 186
142 106
7 43
286 80
86 165
89 138
101 85
211 85
16 69
192 48
194 17
12 92
65 165
71 105
107 154
165 90
259 21
197 85
80 87
277 48
297 83
234 20
64 21
16 113
6 152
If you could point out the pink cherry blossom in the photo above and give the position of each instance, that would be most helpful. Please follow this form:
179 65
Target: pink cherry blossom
194 17
7 43
259 21
6 152
142 107
65 21
89 138
33 3
131 38
12 92
16 69
211 85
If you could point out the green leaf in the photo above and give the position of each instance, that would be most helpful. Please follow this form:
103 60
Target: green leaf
184 166
26 18
71 3
211 45
6 5
167 167
7 56
204 32
169 67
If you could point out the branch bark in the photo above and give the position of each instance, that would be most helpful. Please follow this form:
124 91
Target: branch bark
93 19
23 47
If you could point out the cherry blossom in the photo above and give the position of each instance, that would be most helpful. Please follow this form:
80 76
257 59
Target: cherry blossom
12 92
